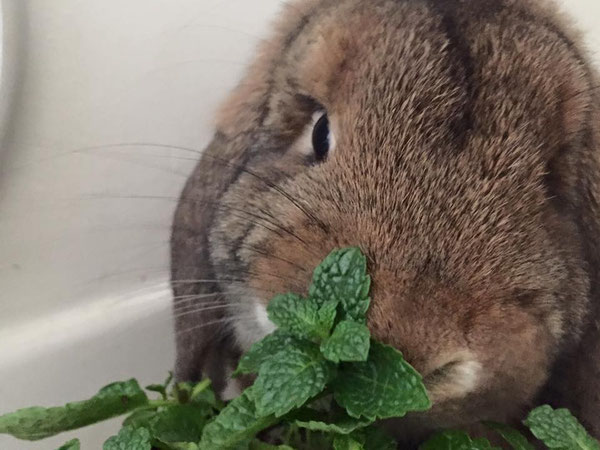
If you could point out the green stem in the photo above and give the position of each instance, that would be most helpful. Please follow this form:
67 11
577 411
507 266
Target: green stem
199 388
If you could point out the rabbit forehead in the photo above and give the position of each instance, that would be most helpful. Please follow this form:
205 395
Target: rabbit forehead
444 128
354 49
410 74
449 119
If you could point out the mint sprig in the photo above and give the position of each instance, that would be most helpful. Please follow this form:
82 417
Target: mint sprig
322 331
38 423
321 382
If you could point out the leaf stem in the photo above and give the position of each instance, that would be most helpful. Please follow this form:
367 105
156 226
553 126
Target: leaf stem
199 388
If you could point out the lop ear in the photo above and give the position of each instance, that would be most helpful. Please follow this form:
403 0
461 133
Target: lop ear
575 381
587 374
586 365
204 343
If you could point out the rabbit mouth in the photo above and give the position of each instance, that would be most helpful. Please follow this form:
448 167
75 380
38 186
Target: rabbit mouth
261 318
454 379
251 322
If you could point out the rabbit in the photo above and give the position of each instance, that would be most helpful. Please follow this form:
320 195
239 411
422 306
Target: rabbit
457 143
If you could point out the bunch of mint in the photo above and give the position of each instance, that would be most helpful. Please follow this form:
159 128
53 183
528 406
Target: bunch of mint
321 382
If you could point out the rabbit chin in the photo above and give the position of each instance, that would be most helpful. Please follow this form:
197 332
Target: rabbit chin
247 332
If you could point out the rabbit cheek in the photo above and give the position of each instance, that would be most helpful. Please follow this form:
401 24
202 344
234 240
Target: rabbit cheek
518 350
288 264
481 357
514 353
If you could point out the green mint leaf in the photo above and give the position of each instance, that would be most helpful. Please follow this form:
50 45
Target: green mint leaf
345 442
455 440
382 387
374 438
558 428
327 315
71 445
303 318
289 379
140 418
181 446
326 421
340 427
236 423
321 403
510 435
342 277
349 341
265 349
179 423
199 393
259 445
130 439
38 423
369 438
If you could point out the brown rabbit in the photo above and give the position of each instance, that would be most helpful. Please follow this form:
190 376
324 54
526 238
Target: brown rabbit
457 142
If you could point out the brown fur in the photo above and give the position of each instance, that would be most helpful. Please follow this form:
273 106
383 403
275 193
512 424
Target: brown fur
466 168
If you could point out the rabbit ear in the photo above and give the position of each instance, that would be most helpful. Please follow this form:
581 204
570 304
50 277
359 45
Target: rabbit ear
590 218
203 339
584 376
575 380
205 344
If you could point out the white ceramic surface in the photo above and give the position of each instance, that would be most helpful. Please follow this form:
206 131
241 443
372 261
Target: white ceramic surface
84 226
9 64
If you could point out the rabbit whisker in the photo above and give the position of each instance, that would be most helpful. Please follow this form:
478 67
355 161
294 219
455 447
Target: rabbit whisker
187 297
199 310
262 179
223 321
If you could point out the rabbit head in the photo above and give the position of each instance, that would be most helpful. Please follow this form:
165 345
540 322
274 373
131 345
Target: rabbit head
453 142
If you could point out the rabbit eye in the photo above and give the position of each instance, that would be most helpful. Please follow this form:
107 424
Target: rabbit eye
322 139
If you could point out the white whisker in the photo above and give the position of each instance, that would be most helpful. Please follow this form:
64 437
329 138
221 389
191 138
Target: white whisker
223 321
188 297
199 310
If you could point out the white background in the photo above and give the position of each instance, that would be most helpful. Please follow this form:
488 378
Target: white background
84 228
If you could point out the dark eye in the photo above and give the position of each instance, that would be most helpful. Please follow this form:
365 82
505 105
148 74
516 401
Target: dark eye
321 138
